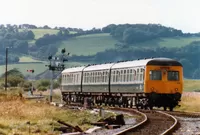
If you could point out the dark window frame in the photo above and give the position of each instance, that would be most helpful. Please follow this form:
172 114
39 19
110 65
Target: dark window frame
172 77
155 75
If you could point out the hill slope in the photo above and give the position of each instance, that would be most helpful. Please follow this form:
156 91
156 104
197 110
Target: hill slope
168 42
88 44
91 44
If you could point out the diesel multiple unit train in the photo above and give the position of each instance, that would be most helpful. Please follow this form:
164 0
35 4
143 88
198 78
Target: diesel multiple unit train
145 83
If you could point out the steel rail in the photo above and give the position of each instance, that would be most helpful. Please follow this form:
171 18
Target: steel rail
168 131
134 126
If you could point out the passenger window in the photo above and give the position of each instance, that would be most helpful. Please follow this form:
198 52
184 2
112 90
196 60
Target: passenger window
77 78
117 76
103 76
124 76
131 76
95 79
91 77
155 75
106 75
121 76
127 79
173 75
113 76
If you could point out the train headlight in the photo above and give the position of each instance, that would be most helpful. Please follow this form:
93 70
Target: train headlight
176 89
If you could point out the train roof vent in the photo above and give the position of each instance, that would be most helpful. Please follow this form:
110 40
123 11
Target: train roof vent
145 58
152 57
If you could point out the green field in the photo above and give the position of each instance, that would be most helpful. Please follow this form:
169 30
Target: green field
191 85
38 67
27 59
88 44
41 32
168 42
93 43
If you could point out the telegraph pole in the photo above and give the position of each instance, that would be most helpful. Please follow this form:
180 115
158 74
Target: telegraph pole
56 64
6 72
51 91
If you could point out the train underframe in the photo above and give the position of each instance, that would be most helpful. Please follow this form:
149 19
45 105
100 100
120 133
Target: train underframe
139 100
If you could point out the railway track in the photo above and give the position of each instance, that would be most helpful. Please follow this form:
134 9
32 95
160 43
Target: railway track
154 123
189 123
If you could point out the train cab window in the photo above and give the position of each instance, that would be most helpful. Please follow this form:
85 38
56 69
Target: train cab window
173 75
155 75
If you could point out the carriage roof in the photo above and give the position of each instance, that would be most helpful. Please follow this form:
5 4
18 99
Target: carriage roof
106 66
73 69
135 63
126 64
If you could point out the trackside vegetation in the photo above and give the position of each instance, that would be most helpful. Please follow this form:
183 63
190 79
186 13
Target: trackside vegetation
19 116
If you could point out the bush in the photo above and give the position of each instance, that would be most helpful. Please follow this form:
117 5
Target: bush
45 83
56 85
14 81
42 88
26 85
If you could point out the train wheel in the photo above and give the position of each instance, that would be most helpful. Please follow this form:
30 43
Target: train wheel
165 108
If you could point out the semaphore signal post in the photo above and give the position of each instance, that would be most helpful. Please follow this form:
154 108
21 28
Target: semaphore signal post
31 71
56 63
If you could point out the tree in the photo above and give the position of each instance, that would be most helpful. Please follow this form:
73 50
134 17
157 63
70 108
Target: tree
14 72
21 46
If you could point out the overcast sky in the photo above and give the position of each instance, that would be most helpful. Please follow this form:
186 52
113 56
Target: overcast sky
86 14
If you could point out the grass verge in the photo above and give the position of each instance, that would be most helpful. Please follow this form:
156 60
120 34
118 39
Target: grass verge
20 116
190 102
